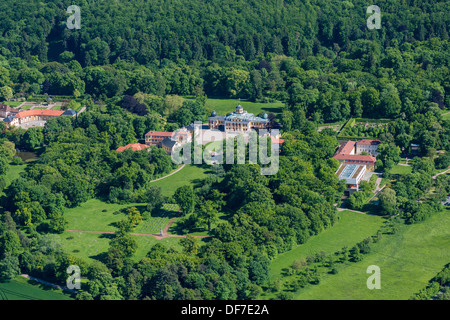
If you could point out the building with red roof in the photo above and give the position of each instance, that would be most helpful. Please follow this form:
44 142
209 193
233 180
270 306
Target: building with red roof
6 111
369 146
348 153
155 137
348 147
356 159
36 115
133 146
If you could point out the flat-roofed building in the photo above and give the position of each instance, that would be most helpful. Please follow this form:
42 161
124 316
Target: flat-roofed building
352 174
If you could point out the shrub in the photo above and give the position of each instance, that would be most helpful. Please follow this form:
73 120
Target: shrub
17 161
299 263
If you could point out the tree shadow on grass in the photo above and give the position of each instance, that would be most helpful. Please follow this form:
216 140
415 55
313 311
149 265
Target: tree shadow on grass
372 209
100 257
107 236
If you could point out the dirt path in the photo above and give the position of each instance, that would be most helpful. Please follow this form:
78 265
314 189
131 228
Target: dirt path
345 209
157 236
48 283
443 172
169 174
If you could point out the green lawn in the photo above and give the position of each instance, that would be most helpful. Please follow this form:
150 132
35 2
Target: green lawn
224 106
203 230
21 288
13 104
93 246
351 228
12 174
90 216
188 175
158 221
407 261
398 169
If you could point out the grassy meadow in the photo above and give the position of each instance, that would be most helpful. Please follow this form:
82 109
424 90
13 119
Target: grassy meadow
21 288
93 246
351 228
224 106
188 175
407 260
399 169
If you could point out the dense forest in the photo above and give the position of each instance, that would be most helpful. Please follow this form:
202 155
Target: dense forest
132 64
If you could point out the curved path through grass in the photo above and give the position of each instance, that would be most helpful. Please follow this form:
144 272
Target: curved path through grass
169 174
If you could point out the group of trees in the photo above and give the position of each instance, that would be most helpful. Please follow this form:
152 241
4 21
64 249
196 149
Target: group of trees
27 251
267 216
7 152
437 288
80 162
317 57
410 195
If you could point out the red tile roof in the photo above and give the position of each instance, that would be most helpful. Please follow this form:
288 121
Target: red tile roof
133 146
355 157
39 112
346 147
276 140
159 133
368 142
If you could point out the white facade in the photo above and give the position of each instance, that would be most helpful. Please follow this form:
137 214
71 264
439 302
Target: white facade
368 146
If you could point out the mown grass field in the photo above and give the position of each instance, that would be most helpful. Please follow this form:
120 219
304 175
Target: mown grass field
90 216
351 228
399 169
159 220
21 288
93 246
188 175
407 261
224 106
